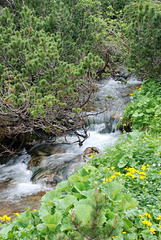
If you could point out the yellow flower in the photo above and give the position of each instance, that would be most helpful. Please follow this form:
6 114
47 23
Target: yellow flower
124 232
155 115
159 218
147 215
130 174
142 177
142 173
113 176
152 230
6 218
132 94
146 222
147 165
143 167
104 181
1 218
132 170
35 210
17 214
112 168
139 88
141 216
117 173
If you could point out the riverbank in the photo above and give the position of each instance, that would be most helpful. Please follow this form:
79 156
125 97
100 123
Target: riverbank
24 178
120 191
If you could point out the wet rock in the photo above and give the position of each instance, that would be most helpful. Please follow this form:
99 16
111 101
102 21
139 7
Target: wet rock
58 171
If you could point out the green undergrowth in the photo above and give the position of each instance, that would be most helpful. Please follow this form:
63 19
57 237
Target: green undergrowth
144 111
115 196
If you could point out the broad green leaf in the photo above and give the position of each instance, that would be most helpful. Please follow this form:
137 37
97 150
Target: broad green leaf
62 185
122 163
49 196
41 227
112 188
127 224
44 210
66 202
136 114
84 213
52 221
150 110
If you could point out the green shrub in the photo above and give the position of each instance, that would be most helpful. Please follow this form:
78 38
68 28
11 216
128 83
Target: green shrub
144 111
143 34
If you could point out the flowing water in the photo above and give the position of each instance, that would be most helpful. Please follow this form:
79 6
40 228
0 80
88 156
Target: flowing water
59 161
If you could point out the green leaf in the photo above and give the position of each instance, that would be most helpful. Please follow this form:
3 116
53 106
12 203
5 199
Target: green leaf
127 224
52 221
84 213
50 195
122 163
136 114
66 202
41 227
150 110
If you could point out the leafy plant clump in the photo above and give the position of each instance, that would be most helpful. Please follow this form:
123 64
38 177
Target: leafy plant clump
115 197
144 110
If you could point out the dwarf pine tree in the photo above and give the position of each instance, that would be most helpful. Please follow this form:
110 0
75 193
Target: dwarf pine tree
39 92
144 34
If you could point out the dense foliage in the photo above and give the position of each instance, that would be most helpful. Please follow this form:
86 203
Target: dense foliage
144 111
40 93
143 32
116 196
49 58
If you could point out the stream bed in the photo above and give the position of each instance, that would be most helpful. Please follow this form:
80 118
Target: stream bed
26 178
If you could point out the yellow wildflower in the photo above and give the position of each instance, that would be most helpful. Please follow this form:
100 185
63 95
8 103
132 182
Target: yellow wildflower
35 210
142 173
132 170
147 215
155 115
6 218
112 168
130 174
17 214
139 88
142 177
159 218
141 216
132 94
152 230
147 165
1 218
143 167
104 181
113 176
117 173
124 232
146 222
